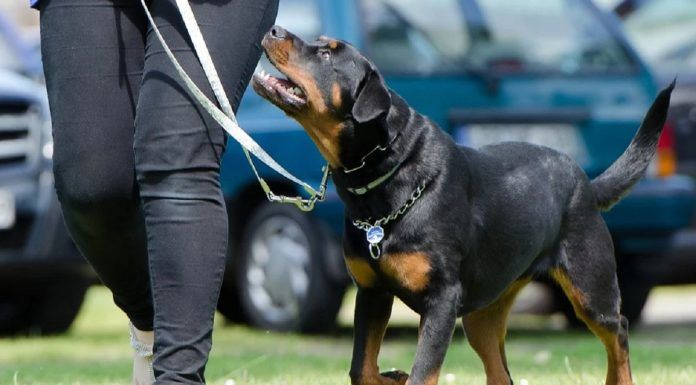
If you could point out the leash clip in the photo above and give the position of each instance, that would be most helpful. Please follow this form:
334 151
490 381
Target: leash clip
303 204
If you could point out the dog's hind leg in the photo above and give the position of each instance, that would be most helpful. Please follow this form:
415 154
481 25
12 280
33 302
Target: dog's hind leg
587 275
485 330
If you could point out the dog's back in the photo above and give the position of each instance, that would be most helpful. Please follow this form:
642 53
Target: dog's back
526 199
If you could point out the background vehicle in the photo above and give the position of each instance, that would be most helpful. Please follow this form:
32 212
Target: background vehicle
663 31
42 277
565 78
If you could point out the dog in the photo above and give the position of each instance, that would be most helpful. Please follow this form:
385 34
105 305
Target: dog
452 231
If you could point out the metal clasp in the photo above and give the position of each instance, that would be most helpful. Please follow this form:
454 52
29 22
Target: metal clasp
375 251
301 203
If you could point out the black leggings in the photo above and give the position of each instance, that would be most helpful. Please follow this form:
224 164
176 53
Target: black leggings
136 160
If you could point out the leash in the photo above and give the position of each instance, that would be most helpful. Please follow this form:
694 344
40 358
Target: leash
374 232
226 117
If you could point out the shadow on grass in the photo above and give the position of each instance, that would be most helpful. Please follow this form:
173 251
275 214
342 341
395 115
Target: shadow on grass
682 331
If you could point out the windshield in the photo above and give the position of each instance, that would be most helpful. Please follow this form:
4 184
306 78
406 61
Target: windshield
663 32
444 36
299 16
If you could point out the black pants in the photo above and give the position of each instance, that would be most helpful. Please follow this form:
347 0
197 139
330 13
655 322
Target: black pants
136 160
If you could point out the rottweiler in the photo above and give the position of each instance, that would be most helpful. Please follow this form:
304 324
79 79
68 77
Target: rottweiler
452 231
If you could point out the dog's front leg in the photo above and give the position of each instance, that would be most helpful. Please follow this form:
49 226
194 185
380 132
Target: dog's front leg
372 312
435 333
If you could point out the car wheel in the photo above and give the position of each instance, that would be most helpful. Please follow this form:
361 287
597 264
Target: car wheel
637 276
46 307
229 303
280 273
58 306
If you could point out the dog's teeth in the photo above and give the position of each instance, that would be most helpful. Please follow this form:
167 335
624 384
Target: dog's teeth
262 74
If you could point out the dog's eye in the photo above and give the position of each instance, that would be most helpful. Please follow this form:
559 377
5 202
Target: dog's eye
325 54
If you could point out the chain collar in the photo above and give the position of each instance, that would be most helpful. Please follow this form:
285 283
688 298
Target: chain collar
373 229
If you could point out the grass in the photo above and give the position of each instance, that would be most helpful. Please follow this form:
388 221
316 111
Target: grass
96 351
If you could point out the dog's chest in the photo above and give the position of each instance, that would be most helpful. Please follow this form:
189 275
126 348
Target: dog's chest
408 271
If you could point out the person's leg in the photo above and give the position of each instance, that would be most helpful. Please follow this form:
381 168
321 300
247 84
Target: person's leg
93 55
178 150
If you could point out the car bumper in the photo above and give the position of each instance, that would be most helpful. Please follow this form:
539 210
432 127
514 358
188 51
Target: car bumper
646 219
38 233
681 259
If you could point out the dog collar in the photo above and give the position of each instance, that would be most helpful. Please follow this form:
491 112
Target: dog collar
362 190
379 148
374 232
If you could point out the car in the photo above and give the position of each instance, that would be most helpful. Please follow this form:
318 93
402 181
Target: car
662 32
558 73
43 279
19 55
566 77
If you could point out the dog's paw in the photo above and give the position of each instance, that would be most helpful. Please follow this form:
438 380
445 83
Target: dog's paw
397 376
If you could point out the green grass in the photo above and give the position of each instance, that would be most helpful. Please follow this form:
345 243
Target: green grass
96 351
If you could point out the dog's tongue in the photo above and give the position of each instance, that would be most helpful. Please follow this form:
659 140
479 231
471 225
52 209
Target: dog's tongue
284 82
287 85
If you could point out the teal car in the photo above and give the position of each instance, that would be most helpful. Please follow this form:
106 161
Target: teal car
555 72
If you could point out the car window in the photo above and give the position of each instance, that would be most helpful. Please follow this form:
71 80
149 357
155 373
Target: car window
663 32
301 17
441 36
414 35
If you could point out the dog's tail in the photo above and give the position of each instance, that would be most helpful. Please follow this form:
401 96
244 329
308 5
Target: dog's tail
614 183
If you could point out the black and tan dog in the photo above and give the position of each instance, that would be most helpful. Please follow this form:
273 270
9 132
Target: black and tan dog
453 232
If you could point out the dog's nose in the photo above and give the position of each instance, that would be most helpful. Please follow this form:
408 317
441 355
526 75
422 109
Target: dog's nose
278 32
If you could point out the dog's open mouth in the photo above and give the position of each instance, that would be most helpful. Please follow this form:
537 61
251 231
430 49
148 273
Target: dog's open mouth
281 92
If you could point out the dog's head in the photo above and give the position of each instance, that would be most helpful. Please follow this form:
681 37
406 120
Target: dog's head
332 90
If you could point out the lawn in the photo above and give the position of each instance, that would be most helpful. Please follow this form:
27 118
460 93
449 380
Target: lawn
96 351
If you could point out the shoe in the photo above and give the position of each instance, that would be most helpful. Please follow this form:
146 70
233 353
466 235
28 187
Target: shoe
142 343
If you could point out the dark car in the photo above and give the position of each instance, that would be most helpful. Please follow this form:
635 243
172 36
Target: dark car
43 279
663 33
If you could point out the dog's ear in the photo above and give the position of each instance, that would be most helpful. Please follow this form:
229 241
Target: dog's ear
372 99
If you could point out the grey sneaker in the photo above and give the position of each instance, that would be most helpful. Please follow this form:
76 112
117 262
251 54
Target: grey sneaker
142 361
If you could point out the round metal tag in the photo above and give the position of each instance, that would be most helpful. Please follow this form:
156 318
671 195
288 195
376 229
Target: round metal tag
375 234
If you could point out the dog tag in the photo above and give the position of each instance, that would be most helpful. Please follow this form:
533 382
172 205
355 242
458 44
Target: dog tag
375 234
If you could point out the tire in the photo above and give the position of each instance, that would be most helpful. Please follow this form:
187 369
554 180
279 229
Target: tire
42 307
279 274
229 303
637 276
